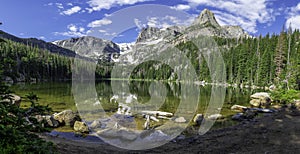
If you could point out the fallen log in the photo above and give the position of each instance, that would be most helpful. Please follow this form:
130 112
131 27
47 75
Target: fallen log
157 113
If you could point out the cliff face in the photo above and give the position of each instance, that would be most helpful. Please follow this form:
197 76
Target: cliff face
90 47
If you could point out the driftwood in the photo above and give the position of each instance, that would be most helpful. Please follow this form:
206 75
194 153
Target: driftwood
163 117
157 113
154 119
244 109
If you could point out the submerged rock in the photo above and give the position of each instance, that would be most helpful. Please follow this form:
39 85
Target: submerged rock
180 120
95 124
121 133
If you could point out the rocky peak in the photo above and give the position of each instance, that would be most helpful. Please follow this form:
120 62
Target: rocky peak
206 18
89 46
148 33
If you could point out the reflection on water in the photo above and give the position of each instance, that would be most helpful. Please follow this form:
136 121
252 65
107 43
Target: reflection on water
59 96
120 107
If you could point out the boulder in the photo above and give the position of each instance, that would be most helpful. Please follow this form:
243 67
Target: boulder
14 99
260 95
180 120
66 117
261 99
81 127
255 102
198 119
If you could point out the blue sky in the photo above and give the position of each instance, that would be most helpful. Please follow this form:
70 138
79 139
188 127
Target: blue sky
120 20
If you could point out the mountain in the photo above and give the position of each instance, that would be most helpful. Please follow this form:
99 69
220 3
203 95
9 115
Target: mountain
206 18
39 43
91 47
205 24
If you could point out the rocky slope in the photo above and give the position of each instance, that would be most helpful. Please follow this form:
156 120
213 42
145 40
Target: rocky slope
91 47
205 24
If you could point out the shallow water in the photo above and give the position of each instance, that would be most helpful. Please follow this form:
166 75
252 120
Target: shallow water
101 99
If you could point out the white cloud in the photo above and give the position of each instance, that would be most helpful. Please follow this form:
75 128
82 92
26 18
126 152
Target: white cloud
246 13
98 5
293 17
102 31
73 31
71 11
138 23
181 7
99 23
167 21
72 28
59 5
42 37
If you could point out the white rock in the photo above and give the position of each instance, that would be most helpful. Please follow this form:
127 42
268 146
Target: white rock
180 120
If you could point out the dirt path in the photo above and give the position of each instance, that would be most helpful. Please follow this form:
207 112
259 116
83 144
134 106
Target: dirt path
276 133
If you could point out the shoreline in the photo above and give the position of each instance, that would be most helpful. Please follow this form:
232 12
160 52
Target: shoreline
278 132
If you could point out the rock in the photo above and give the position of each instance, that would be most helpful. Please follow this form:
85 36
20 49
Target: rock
198 119
206 18
276 106
180 120
260 95
255 102
14 99
81 127
95 124
272 87
239 108
250 114
261 110
238 116
88 46
261 99
157 113
297 104
50 121
180 137
214 117
66 117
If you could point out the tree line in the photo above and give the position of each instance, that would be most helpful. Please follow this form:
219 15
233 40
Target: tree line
260 61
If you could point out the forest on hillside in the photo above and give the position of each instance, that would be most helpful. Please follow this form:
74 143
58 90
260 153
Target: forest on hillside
260 61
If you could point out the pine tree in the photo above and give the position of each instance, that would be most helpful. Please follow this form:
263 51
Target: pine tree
280 56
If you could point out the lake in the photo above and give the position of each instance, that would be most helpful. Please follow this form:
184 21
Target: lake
60 96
